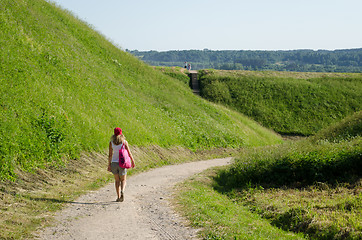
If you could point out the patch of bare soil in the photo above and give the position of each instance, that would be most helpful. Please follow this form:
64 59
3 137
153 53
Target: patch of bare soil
146 212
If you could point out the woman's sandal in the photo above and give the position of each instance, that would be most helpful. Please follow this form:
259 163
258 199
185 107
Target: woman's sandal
121 199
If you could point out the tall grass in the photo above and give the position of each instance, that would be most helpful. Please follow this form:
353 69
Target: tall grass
64 87
289 103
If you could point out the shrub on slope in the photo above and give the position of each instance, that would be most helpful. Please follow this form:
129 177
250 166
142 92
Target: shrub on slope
64 87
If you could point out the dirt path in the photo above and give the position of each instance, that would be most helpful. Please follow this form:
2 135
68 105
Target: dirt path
145 214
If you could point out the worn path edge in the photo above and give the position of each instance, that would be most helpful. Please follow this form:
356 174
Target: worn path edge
146 212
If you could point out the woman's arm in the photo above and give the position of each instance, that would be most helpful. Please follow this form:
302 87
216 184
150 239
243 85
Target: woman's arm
129 153
110 154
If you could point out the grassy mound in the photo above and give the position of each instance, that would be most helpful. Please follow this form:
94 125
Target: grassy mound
290 103
64 87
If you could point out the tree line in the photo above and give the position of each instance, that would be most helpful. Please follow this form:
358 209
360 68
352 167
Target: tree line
346 60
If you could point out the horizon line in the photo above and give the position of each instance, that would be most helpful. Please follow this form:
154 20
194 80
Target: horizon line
270 50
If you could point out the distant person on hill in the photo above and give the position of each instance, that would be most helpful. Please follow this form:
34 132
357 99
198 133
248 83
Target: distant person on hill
185 64
189 67
117 140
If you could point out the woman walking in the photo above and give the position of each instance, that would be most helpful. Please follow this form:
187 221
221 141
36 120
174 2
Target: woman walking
117 140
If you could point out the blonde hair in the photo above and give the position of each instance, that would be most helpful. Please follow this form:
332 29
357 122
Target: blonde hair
118 139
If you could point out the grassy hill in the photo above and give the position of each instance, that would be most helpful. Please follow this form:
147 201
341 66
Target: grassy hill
64 87
288 102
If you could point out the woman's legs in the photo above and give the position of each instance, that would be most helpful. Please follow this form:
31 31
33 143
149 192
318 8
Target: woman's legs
123 186
120 184
123 182
117 181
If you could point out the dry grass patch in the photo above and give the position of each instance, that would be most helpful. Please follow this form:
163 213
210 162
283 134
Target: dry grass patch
321 211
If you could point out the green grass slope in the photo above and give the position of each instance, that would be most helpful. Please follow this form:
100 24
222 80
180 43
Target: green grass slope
290 103
64 87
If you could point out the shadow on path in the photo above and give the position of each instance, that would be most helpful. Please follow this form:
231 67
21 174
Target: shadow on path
55 200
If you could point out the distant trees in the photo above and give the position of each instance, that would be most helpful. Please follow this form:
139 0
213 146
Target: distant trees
251 62
349 60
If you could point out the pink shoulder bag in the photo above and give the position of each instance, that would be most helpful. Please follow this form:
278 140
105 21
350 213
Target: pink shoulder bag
124 158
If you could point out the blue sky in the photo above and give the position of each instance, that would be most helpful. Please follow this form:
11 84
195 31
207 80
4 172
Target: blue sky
224 25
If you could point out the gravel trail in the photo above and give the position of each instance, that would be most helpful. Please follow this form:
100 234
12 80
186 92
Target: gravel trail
145 214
